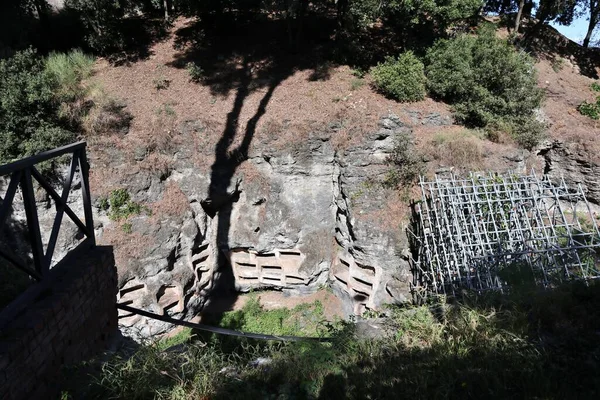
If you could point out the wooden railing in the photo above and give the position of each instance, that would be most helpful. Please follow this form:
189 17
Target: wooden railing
22 174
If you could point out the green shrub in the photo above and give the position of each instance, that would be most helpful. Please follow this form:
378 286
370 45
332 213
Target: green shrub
591 110
196 72
402 79
121 206
406 163
68 70
29 120
489 83
302 320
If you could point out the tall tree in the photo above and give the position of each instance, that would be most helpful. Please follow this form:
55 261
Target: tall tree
519 15
593 7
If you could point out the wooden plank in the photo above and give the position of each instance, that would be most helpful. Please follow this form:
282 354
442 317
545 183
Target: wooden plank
8 198
58 199
33 223
60 207
84 169
47 155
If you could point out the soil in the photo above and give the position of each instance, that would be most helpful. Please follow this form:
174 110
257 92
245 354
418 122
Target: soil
299 94
332 306
303 97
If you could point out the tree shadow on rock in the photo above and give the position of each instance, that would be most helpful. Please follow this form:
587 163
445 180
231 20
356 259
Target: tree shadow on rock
246 60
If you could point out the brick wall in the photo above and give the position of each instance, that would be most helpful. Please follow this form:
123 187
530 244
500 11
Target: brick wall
68 320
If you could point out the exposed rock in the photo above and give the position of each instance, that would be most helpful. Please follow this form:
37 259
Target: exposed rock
571 162
292 219
430 119
368 258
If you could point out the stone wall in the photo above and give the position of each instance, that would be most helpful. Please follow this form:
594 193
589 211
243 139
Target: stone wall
63 322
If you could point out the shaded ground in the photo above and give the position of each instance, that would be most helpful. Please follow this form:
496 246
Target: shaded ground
530 344
270 300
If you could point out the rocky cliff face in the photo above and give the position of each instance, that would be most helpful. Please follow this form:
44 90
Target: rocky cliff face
294 219
575 164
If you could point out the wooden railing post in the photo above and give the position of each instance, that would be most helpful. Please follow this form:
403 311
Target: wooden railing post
22 173
33 223
84 169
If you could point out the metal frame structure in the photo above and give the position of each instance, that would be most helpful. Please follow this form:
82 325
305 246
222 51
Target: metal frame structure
22 174
498 231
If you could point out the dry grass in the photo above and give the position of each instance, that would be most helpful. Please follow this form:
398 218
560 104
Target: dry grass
102 181
253 176
462 149
394 216
127 246
160 165
174 203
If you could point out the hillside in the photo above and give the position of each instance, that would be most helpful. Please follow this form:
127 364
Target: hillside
266 167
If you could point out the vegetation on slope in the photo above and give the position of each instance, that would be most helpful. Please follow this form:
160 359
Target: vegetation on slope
489 83
526 345
40 101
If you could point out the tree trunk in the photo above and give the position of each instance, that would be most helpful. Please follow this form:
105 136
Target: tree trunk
588 36
519 15
166 7
342 9
594 13
303 8
41 7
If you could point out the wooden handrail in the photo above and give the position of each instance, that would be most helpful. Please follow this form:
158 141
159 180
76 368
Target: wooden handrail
38 158
22 174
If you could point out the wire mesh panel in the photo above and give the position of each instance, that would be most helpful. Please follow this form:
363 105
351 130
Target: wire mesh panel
497 231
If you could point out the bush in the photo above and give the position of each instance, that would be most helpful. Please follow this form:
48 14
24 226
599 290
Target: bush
489 83
196 72
402 79
121 206
68 70
591 110
29 120
407 164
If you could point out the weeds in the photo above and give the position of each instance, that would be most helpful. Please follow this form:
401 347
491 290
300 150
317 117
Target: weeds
120 206
406 163
522 345
357 83
558 64
591 110
127 227
161 82
167 110
461 149
196 72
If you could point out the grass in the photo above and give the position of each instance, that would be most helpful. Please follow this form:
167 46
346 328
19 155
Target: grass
540 345
196 72
591 110
302 320
357 83
69 70
461 149
120 206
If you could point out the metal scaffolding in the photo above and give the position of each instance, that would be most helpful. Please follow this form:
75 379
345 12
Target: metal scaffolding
498 231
